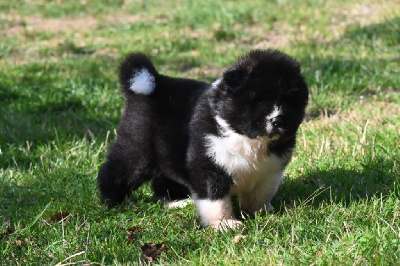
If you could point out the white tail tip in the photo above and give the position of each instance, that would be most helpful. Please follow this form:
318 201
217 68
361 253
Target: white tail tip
142 82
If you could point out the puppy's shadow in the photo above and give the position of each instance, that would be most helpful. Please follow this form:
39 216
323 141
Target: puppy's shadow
338 185
321 187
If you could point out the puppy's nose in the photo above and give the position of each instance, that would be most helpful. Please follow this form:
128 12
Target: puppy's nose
277 121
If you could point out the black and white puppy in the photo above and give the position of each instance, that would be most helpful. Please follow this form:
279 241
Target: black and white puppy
233 137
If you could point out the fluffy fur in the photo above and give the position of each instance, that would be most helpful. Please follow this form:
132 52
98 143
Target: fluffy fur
235 136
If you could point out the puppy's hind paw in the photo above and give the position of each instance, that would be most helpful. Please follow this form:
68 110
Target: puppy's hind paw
226 225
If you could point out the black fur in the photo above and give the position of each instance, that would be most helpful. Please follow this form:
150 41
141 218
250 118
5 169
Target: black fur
162 135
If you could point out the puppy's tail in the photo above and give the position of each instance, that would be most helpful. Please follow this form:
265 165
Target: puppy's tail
138 75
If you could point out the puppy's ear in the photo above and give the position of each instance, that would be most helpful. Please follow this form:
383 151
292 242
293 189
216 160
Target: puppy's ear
234 79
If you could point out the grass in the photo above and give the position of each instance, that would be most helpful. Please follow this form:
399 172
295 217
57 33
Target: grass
60 105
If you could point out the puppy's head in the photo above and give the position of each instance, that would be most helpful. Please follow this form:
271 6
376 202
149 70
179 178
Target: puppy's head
263 94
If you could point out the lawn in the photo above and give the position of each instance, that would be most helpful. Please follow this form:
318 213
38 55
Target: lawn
60 105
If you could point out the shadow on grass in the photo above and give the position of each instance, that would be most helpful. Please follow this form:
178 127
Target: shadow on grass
74 191
63 189
386 32
48 102
376 178
335 86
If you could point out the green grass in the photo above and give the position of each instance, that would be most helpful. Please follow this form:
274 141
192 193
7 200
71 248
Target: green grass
60 105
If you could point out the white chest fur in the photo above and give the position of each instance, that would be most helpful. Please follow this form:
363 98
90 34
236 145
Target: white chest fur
246 160
267 172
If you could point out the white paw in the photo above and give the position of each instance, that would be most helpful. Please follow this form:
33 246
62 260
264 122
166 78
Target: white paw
226 224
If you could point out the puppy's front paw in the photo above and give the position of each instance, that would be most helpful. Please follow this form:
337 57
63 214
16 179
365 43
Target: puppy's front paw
226 224
257 207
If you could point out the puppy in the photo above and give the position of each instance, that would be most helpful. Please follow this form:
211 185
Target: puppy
233 137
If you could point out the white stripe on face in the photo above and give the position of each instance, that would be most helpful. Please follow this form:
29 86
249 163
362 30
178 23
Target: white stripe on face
277 111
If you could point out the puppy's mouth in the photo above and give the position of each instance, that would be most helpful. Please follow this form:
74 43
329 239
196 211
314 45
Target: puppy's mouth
274 132
270 137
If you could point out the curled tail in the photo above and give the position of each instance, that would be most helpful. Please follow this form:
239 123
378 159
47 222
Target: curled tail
138 75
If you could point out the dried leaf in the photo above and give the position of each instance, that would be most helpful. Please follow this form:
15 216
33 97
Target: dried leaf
9 230
182 249
151 250
237 238
135 229
17 242
131 233
57 217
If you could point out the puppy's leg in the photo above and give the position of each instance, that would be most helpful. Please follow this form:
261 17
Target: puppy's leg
123 172
171 193
217 213
259 199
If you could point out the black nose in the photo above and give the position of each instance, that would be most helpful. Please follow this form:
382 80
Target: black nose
277 121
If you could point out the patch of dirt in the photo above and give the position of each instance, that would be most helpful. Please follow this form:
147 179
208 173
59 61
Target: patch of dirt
362 14
205 72
64 24
37 23
365 13
19 24
283 34
197 33
108 52
273 39
261 38
120 19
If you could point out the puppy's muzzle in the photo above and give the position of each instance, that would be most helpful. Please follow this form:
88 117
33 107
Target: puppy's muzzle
275 126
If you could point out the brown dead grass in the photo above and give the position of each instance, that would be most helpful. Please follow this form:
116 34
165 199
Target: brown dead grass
367 12
273 39
204 72
35 23
363 14
67 24
121 19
